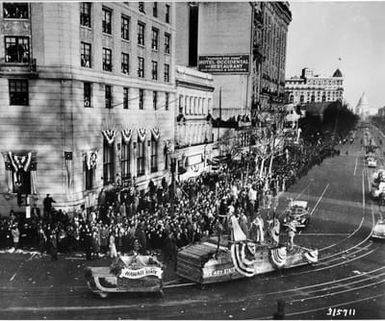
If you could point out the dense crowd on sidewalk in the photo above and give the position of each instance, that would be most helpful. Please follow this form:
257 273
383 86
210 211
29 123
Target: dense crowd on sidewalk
158 219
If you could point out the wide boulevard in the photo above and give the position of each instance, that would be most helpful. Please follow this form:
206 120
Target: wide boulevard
348 282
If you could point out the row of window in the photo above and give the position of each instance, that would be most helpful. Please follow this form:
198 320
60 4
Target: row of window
142 9
316 82
125 161
87 96
191 134
19 95
313 98
194 105
21 11
85 20
318 93
86 61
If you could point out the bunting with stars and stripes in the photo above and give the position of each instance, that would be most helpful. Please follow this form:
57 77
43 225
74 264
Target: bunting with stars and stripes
155 133
243 258
278 257
109 135
126 135
142 134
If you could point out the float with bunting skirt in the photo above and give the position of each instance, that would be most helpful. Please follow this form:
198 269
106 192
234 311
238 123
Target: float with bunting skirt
219 259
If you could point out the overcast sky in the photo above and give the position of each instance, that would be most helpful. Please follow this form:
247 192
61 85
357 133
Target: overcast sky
321 33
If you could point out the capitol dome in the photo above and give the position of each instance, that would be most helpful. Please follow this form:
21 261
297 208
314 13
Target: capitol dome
362 105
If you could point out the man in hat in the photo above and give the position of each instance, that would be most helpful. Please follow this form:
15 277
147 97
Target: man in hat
47 204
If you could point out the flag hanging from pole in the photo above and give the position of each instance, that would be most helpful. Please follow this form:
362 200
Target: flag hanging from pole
68 165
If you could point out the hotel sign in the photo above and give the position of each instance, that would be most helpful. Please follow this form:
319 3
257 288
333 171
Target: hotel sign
224 64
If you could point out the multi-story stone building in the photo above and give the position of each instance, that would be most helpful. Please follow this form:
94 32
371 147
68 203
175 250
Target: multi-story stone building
276 20
194 130
237 43
87 97
311 88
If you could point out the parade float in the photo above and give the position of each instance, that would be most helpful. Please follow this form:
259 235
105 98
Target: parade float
219 259
378 184
133 273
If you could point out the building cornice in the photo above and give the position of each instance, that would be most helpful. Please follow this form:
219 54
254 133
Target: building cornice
191 85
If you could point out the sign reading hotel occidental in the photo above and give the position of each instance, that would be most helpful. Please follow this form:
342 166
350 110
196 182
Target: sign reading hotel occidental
224 64
141 273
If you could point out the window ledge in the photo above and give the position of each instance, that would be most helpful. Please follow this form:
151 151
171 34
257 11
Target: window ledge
86 27
13 19
141 46
126 40
107 34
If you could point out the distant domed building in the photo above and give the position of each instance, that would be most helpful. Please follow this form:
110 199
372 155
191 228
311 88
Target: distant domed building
362 107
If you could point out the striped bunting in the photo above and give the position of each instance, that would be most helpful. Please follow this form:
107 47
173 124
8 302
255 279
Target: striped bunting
278 257
126 135
141 134
311 257
109 135
243 258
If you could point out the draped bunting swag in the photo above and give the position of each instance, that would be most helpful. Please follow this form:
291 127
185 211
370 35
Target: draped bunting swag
155 133
16 164
142 134
109 135
126 135
20 162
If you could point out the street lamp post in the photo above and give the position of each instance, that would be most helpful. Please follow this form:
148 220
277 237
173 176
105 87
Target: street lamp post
173 170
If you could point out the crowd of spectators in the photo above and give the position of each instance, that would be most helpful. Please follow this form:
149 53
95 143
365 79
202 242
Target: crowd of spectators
160 219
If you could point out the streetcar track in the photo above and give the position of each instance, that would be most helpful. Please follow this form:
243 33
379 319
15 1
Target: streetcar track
342 285
339 292
364 278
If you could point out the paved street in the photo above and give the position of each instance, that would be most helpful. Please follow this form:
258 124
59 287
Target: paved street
350 273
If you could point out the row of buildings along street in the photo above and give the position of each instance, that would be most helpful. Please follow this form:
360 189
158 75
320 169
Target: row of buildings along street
95 94
99 97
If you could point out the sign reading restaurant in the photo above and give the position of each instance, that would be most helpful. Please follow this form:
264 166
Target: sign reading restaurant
224 64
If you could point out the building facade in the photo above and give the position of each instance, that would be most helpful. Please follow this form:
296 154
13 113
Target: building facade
243 45
276 20
87 97
194 131
312 88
